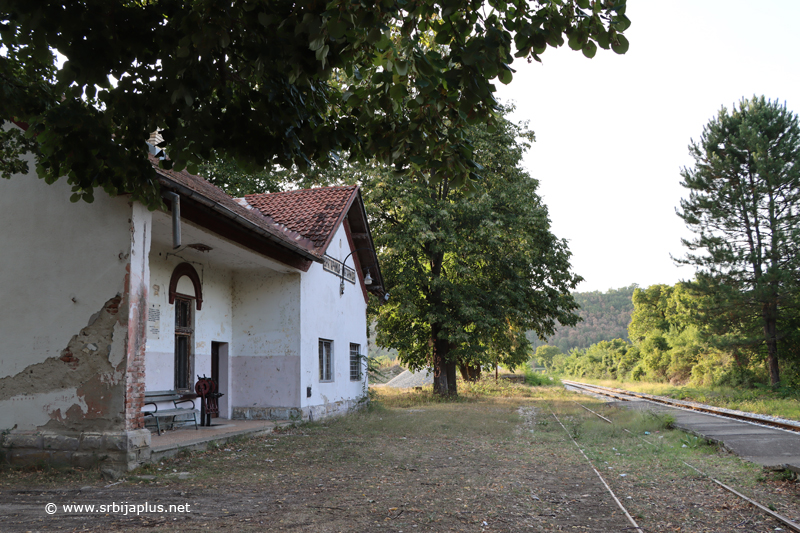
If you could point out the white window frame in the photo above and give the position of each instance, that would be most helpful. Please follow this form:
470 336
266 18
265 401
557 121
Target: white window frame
325 361
355 362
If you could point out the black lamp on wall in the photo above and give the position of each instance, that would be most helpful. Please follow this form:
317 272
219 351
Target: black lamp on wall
367 278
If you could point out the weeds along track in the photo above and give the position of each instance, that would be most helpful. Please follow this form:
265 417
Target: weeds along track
793 526
602 479
625 395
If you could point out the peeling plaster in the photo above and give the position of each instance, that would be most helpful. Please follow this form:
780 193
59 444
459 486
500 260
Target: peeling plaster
116 352
76 389
39 408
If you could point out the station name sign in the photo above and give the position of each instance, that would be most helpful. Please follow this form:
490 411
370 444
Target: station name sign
332 265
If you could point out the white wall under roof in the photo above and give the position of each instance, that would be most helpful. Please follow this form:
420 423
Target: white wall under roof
247 305
211 323
60 262
266 340
331 316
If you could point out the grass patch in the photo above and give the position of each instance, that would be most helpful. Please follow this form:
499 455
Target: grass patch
47 475
764 401
538 379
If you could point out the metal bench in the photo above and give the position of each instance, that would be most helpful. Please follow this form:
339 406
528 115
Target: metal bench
177 399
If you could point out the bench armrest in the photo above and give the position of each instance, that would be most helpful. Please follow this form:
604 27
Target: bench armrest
176 402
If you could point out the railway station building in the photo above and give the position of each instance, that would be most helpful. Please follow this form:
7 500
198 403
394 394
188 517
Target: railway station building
265 294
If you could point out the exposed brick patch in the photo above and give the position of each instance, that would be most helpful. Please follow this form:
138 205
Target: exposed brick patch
136 298
68 357
112 307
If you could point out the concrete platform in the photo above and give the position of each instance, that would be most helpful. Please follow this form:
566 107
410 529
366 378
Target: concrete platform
172 442
769 447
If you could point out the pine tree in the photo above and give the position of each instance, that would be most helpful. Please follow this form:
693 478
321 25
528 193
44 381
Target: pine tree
744 207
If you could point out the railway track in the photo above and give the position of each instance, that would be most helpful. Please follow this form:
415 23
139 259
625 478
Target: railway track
792 525
624 395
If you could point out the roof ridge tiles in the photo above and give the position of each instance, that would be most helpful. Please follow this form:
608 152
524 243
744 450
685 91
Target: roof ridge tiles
314 213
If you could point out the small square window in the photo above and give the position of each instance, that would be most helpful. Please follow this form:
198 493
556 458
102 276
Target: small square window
355 362
325 360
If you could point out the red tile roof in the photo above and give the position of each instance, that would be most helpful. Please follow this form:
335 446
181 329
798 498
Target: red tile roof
313 213
303 221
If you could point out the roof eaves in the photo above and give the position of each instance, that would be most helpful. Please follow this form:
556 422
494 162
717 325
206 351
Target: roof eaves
340 218
269 229
378 288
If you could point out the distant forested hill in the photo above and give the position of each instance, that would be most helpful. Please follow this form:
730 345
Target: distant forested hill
605 317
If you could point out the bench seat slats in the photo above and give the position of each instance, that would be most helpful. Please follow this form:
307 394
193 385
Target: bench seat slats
177 399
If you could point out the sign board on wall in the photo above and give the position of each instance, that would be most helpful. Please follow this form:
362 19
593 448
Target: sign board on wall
332 265
154 322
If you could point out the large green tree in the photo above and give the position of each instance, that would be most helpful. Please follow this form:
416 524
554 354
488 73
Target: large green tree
744 207
470 271
268 82
664 328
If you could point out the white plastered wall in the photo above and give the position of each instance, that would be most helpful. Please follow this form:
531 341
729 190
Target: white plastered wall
331 316
211 324
250 303
60 264
265 358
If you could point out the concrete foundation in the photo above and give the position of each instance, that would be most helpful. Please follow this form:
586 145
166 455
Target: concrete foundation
119 451
314 412
318 412
266 413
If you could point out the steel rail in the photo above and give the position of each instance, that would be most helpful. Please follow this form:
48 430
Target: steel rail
605 484
625 395
780 518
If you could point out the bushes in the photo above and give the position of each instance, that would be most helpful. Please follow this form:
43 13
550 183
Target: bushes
536 379
606 359
672 342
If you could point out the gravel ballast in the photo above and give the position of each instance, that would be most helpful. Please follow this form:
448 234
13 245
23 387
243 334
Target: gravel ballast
409 379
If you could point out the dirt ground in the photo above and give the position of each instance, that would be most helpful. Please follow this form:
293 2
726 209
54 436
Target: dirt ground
415 464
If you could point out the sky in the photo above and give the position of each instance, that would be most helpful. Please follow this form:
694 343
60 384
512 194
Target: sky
612 132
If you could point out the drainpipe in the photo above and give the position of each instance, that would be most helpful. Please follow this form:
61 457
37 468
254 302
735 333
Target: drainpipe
176 219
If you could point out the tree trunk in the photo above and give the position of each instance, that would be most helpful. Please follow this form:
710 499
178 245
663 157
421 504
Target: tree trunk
770 313
452 389
469 373
440 381
444 371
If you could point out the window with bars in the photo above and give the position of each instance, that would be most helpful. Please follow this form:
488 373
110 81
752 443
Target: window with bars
355 362
325 360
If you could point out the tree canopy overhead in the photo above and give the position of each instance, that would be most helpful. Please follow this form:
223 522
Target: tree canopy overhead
269 82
